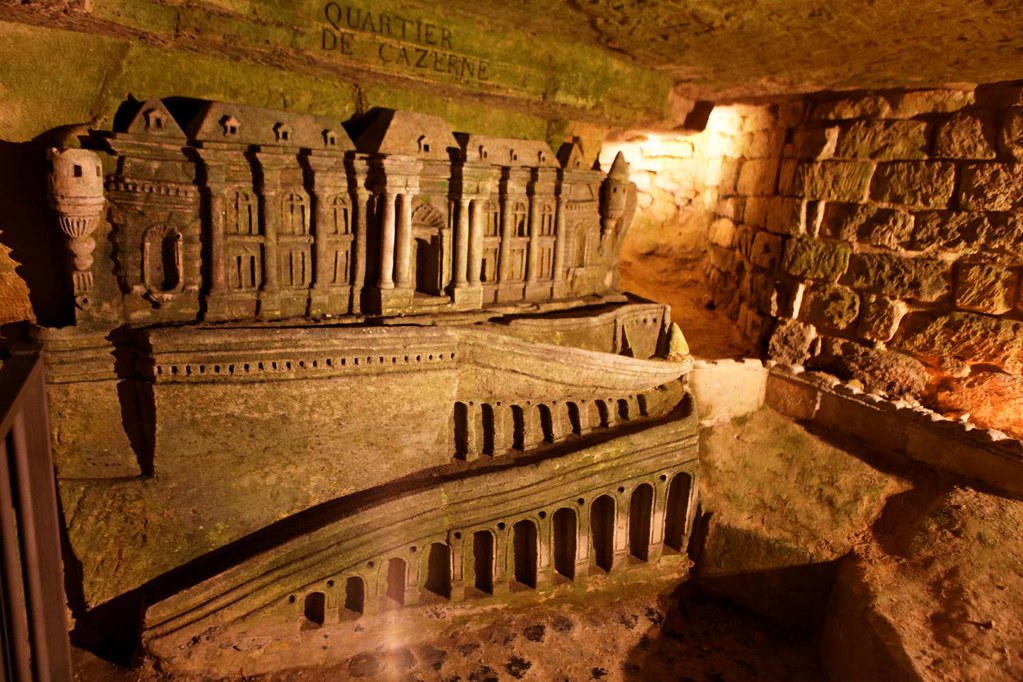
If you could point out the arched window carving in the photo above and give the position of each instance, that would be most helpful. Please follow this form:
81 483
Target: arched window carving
295 218
241 213
341 215
519 220
493 219
547 220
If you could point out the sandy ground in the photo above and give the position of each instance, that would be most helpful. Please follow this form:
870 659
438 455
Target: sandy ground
648 631
681 284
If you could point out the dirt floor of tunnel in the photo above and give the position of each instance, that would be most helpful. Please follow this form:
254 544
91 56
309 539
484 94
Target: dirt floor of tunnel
682 285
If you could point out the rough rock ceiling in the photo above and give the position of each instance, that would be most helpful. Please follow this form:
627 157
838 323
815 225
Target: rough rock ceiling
740 48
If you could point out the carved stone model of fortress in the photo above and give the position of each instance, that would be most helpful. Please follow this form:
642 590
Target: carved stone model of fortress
323 372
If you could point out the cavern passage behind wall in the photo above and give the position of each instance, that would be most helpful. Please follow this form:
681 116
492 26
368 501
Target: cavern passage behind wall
312 356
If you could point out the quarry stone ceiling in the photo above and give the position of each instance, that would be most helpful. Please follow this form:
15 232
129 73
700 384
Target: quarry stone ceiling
529 68
718 49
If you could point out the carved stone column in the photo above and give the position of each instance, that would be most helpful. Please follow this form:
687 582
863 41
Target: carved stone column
362 205
475 264
504 260
403 243
76 194
462 243
386 203
269 213
456 543
560 246
621 532
532 260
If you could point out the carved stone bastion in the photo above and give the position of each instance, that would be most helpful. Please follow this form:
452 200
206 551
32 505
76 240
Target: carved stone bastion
327 370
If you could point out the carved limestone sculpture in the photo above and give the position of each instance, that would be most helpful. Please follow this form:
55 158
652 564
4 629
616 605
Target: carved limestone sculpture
328 376
76 194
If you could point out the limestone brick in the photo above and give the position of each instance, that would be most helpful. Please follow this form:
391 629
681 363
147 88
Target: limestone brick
869 106
949 230
1012 133
816 258
790 341
758 177
766 250
1004 233
967 135
786 216
868 224
756 211
921 279
787 176
765 144
834 180
985 287
830 307
881 371
880 317
991 186
729 177
720 257
722 232
916 102
957 340
924 184
815 142
731 207
883 140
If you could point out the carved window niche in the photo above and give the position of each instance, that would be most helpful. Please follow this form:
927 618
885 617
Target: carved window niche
519 242
242 215
340 266
245 267
162 263
491 241
295 267
545 259
424 144
519 223
341 215
329 138
547 220
295 214
493 219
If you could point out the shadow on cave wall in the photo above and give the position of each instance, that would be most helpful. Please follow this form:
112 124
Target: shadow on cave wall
28 227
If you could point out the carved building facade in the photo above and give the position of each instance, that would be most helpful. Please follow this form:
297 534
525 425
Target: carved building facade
223 212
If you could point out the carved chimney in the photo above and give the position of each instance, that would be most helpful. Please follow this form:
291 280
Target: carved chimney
76 194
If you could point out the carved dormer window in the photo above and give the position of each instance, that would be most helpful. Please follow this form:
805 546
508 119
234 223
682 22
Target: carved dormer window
514 156
154 119
282 131
230 125
541 157
424 145
483 153
329 138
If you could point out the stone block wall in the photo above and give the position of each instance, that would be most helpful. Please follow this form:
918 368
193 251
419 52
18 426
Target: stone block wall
880 237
